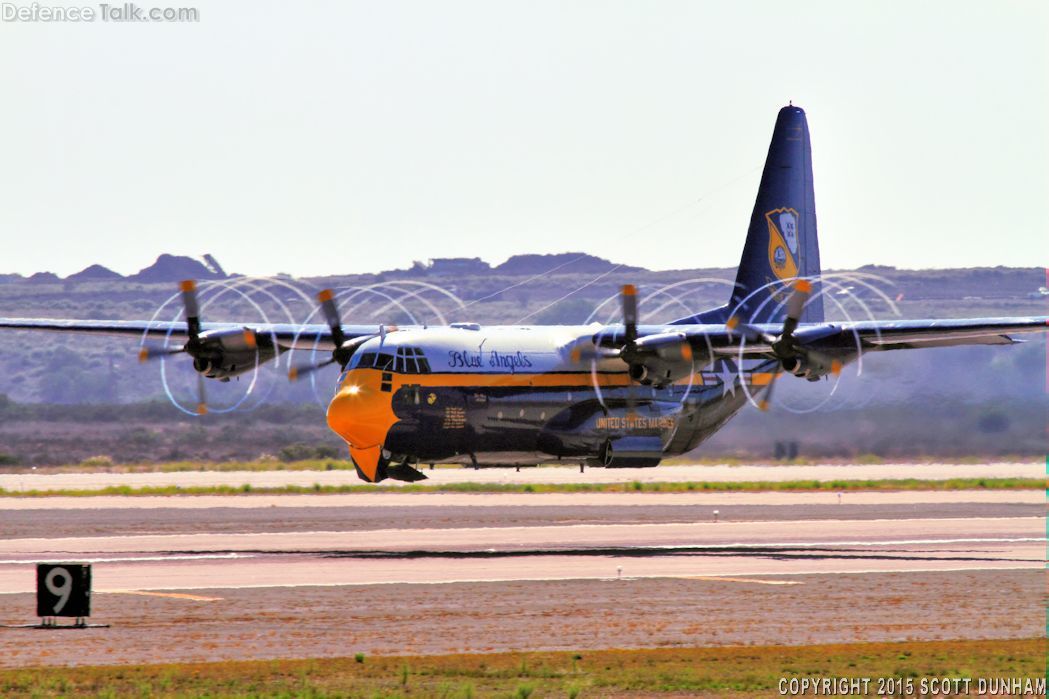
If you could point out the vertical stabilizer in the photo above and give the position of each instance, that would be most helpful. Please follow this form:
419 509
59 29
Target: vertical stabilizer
781 241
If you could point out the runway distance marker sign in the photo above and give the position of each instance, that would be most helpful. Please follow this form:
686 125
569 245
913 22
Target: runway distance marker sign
63 589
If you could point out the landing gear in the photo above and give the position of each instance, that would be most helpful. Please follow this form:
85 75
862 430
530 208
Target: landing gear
387 469
404 472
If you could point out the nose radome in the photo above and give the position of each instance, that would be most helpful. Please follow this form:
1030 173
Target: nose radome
361 412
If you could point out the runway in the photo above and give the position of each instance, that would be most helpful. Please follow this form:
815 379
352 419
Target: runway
441 572
384 555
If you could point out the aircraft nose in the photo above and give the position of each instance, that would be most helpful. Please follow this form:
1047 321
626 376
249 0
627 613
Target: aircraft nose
360 412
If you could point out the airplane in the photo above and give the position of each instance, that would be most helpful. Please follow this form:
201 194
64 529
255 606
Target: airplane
624 395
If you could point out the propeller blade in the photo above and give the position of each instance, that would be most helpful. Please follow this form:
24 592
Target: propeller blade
149 352
796 305
331 316
586 350
766 399
202 398
298 372
343 349
192 308
630 313
749 332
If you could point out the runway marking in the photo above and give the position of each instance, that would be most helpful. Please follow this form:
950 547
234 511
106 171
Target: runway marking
812 544
566 578
174 595
132 559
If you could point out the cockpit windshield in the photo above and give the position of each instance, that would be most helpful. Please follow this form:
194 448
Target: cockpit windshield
406 360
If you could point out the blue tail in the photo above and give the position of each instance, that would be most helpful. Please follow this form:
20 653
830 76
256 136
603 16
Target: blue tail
781 242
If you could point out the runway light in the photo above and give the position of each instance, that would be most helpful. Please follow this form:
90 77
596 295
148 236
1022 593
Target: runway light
715 515
619 572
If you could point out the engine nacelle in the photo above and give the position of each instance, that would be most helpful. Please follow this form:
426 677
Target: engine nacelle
659 360
221 354
807 368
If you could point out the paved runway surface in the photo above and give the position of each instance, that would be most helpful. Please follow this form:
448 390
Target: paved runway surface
386 500
383 555
197 578
661 474
62 517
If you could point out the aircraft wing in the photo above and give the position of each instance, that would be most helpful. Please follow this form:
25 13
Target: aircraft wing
286 335
882 335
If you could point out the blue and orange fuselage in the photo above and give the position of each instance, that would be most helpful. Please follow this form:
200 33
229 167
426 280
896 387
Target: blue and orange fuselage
512 396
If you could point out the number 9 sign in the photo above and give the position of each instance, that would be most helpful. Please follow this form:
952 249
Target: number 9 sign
63 589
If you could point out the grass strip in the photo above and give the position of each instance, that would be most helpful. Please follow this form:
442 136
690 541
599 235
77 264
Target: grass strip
751 671
800 486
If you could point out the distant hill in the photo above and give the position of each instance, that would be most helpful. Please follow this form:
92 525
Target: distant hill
575 262
94 273
530 265
173 268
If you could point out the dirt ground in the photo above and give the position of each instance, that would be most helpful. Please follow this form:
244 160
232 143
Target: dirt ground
579 614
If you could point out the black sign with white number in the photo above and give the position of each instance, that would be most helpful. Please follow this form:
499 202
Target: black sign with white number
63 589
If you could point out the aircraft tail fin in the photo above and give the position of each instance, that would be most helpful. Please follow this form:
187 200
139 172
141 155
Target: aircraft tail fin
781 241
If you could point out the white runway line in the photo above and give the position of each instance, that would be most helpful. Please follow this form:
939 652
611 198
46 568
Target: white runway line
830 544
130 559
152 593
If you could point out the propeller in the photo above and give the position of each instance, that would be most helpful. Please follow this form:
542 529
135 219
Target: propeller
653 360
343 349
786 348
188 289
629 350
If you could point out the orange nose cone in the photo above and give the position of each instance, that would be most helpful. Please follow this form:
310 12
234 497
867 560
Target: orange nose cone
360 412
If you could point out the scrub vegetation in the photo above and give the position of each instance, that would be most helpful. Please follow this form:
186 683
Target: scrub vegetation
752 671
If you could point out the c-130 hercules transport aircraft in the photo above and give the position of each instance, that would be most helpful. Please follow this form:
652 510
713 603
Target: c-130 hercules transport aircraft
620 396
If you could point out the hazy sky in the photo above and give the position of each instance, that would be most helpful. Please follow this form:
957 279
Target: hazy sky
316 138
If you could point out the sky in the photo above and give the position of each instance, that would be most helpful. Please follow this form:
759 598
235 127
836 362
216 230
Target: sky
321 138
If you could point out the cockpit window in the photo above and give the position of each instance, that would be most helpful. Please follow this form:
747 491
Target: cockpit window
406 360
410 360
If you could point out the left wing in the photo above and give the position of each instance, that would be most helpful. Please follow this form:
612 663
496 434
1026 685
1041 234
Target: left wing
285 336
